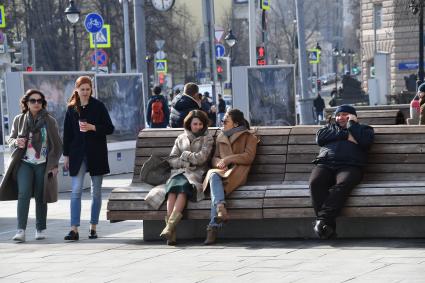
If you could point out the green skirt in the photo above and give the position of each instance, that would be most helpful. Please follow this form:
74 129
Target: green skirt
180 184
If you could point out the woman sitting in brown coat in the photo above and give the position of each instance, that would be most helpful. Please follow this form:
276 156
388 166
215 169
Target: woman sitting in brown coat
192 150
234 153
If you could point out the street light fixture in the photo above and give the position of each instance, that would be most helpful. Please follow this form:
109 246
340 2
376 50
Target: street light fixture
231 40
194 59
336 53
418 7
73 15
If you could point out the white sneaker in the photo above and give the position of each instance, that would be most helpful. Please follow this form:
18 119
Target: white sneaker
20 236
40 234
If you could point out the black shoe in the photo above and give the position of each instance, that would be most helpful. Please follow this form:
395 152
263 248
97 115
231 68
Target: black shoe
323 230
92 234
72 236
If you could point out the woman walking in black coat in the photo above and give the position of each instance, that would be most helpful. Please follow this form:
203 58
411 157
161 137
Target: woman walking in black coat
87 123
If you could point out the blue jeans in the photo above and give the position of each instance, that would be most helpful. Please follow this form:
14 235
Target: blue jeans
77 190
31 177
217 196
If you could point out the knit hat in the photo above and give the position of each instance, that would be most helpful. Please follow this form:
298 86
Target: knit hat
346 108
421 88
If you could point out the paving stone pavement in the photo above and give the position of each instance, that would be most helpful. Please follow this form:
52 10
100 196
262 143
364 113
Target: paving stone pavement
120 255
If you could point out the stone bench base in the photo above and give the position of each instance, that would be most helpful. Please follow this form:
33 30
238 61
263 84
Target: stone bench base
385 227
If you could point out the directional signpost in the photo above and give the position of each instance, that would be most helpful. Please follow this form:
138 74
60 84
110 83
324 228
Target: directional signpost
94 24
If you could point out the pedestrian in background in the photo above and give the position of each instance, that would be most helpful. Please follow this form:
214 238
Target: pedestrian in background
235 151
339 167
87 123
158 113
36 149
421 94
221 110
190 156
209 108
182 104
319 105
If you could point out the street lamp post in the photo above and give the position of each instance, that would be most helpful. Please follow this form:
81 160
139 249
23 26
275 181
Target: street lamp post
73 15
418 7
318 47
230 41
185 57
194 59
336 53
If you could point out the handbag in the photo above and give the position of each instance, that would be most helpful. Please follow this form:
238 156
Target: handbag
155 171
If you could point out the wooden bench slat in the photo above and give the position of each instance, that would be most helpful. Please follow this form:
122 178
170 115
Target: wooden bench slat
371 168
368 177
379 139
399 200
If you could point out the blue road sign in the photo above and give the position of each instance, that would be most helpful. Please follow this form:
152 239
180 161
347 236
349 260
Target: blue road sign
161 66
93 22
410 65
219 50
102 58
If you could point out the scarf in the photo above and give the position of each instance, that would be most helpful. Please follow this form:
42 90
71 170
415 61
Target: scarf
34 124
234 130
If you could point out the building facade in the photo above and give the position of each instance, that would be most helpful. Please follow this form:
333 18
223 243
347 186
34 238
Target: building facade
389 27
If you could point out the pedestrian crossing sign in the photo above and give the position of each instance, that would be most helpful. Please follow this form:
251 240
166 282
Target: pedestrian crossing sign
314 56
161 66
2 17
103 38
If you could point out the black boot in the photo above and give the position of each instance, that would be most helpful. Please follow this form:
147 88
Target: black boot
323 230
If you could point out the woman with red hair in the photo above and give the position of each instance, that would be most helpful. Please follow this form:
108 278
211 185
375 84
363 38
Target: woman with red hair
87 123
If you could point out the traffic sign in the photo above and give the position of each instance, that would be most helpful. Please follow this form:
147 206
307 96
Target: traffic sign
314 56
219 50
160 55
93 22
2 17
103 37
102 57
161 66
218 34
265 5
159 43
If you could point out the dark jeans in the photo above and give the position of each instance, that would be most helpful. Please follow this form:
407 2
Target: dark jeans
330 187
31 180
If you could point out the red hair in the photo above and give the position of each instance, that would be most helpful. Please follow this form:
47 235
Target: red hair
74 101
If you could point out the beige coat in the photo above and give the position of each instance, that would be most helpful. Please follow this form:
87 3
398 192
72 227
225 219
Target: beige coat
192 156
9 186
238 153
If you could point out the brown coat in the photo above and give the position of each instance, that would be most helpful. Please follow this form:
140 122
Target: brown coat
192 156
9 186
238 152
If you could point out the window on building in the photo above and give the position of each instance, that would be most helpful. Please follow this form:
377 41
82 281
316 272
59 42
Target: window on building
377 15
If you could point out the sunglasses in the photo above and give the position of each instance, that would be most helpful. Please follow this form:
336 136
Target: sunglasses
34 101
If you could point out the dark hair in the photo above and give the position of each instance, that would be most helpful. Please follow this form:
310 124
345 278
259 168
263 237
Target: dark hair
191 89
238 118
177 91
74 101
26 98
220 96
195 114
157 90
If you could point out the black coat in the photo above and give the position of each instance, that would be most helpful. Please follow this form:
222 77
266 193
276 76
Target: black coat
180 107
92 145
335 149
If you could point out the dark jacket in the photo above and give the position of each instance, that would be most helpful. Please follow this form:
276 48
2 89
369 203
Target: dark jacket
181 105
164 108
221 105
319 104
335 149
91 144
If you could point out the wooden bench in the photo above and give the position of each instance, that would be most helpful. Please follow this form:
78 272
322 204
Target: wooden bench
276 203
375 117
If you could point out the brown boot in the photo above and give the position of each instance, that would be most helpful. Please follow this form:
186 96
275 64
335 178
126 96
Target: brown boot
222 215
168 231
173 240
211 235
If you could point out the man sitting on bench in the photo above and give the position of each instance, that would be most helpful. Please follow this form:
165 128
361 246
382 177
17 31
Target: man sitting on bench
343 153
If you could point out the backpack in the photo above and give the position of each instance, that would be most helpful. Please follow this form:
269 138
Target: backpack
157 113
